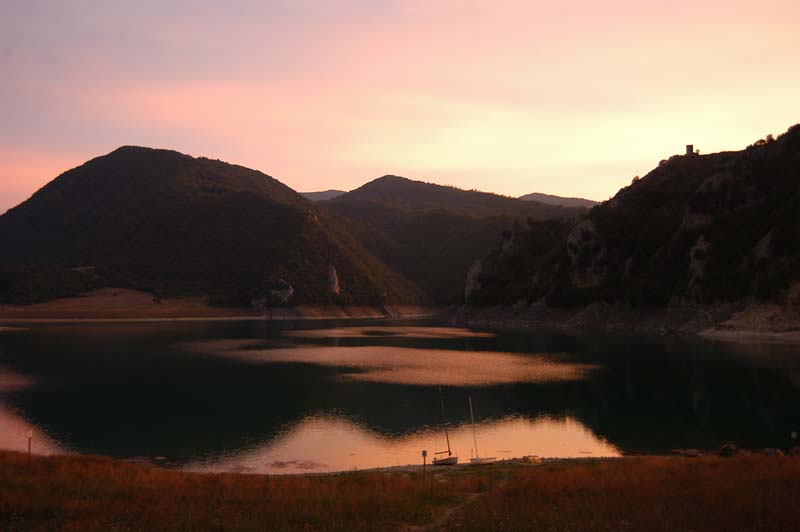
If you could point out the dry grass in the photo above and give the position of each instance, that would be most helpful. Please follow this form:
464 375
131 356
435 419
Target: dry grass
645 494
119 303
641 494
93 494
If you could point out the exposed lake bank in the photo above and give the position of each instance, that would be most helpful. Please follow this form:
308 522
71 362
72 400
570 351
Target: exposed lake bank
735 322
122 304
641 493
753 323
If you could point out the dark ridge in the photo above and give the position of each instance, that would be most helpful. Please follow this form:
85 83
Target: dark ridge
433 233
549 199
723 227
169 223
322 195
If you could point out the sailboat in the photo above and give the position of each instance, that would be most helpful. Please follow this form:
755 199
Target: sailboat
477 459
438 457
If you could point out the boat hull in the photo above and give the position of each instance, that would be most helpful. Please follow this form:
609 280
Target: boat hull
450 460
483 460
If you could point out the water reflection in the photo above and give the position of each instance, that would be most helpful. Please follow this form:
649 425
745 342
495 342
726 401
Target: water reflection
14 431
389 331
403 365
12 382
262 395
307 446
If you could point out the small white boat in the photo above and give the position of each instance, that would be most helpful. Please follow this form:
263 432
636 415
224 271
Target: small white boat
478 459
450 459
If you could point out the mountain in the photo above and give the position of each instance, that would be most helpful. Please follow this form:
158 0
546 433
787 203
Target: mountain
172 224
549 199
430 233
707 229
324 195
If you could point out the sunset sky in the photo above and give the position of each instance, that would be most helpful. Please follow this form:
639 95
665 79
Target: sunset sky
570 97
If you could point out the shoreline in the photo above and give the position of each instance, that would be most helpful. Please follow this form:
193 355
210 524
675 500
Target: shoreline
752 336
734 323
204 319
124 305
512 462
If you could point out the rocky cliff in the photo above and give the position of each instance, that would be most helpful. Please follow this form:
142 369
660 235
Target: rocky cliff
706 230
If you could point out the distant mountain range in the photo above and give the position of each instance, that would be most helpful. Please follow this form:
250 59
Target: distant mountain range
171 224
549 199
323 195
698 229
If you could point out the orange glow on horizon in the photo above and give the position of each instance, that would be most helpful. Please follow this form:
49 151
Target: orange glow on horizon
507 96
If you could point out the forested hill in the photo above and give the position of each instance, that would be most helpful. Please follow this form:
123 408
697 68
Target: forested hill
172 224
698 228
432 233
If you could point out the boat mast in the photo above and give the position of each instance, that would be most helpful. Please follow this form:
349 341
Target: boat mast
474 431
444 422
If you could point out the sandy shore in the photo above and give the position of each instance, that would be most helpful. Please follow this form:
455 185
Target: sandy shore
121 304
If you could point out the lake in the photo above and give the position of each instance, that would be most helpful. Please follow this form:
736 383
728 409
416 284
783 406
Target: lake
255 396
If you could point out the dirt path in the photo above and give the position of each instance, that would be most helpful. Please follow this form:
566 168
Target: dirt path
441 521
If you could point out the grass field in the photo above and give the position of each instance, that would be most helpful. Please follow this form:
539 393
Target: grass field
650 494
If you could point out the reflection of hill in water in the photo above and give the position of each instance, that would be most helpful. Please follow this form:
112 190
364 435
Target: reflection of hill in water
306 446
132 390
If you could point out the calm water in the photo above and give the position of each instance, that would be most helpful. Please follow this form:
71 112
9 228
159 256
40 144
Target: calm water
326 396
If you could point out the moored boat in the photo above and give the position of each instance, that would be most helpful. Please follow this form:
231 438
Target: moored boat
477 459
439 457
445 460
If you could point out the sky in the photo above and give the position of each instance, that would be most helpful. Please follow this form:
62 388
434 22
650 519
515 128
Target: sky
572 97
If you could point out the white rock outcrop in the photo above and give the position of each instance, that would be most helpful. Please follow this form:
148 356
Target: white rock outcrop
473 284
333 280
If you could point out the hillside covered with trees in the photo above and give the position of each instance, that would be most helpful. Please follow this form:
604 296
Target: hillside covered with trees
432 233
698 229
171 224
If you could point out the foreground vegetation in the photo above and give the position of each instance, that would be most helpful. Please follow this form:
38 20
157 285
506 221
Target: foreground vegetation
651 493
94 493
648 494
